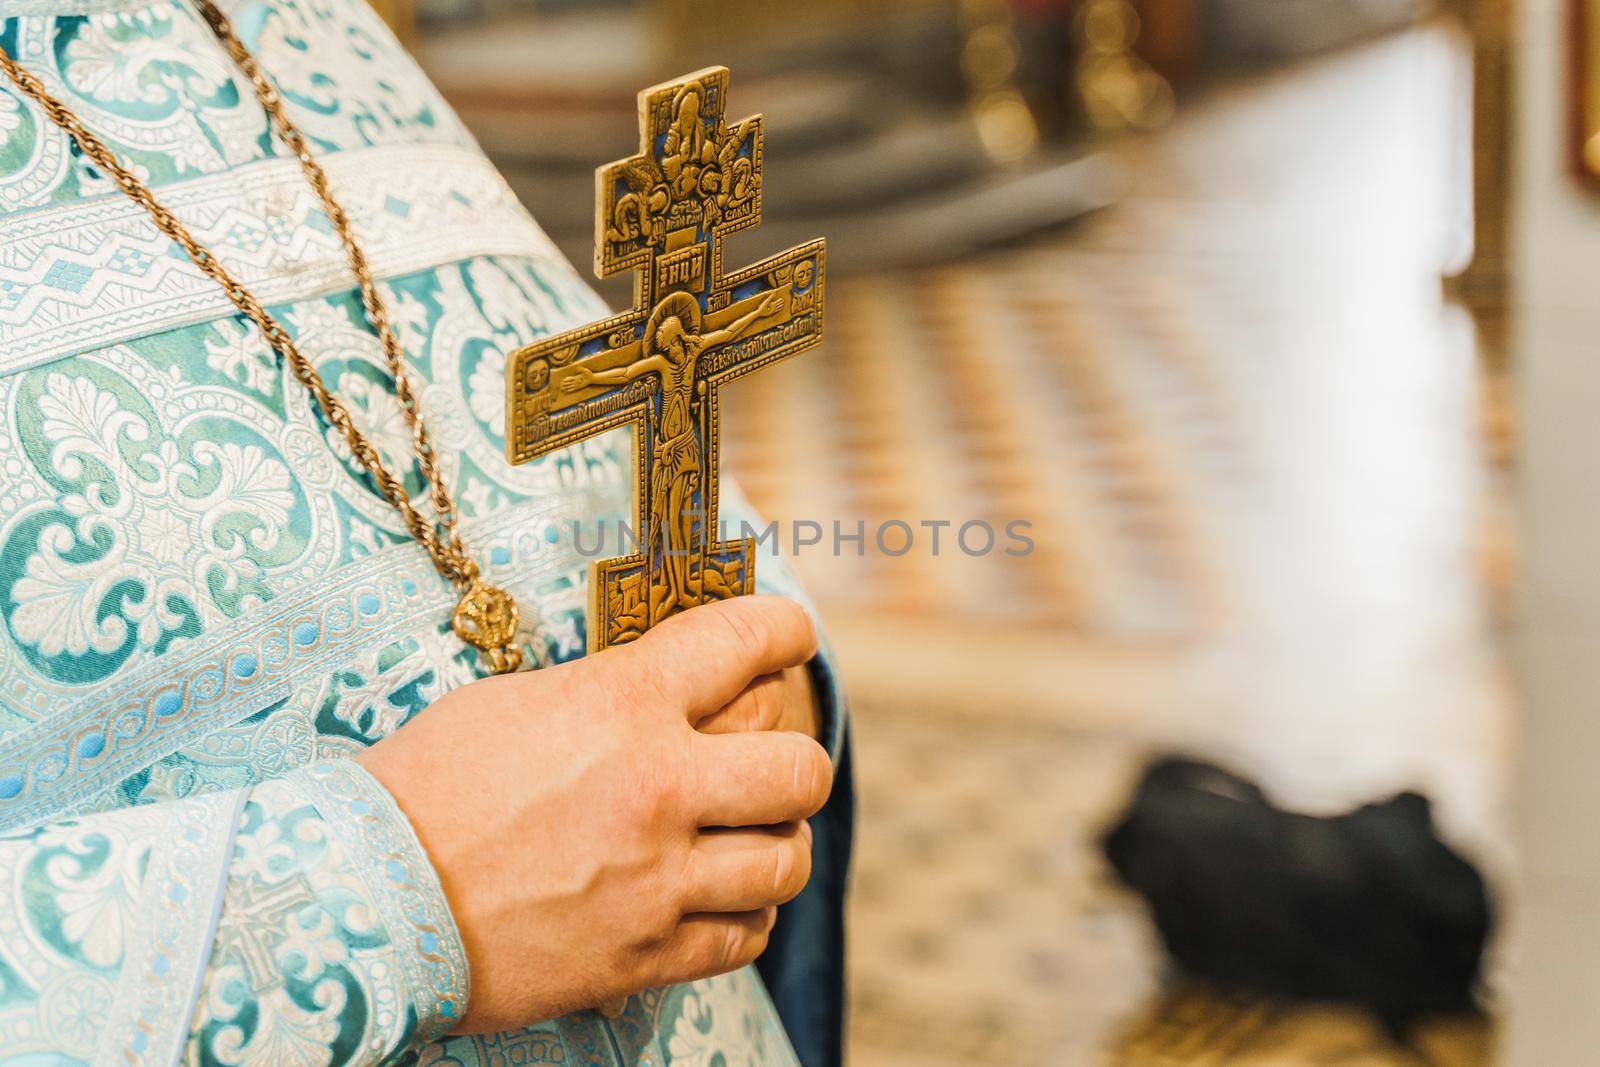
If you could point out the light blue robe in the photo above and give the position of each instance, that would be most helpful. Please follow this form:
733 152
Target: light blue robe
205 609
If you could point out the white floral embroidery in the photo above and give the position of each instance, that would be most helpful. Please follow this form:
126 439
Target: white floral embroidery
439 654
239 351
715 1027
312 942
75 1009
161 66
98 899
104 64
561 632
285 1034
486 392
304 41
409 318
377 414
477 496
162 536
319 323
99 913
506 306
364 539
288 740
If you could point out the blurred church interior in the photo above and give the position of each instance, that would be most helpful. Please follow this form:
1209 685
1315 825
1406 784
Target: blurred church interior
1217 295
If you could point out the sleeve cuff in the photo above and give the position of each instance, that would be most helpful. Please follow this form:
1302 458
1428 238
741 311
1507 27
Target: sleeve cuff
387 854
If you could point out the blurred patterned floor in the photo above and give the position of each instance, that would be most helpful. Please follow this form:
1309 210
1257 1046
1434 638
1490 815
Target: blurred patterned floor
1245 429
1015 386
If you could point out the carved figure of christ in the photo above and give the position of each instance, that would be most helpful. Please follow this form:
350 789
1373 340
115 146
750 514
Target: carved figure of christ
671 348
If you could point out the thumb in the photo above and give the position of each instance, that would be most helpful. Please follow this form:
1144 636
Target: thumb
703 658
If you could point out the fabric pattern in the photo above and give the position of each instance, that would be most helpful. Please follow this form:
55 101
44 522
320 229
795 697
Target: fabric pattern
111 920
205 608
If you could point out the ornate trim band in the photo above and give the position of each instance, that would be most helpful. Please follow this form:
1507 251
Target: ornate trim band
96 272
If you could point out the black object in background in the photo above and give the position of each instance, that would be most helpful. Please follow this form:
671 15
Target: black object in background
1369 908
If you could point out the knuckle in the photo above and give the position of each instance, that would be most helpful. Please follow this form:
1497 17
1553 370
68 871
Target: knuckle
767 704
807 624
734 944
740 619
813 775
655 794
664 914
732 719
625 668
660 922
798 871
782 873
667 893
753 941
796 616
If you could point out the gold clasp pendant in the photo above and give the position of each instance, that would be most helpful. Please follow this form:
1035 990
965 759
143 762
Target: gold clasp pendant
487 620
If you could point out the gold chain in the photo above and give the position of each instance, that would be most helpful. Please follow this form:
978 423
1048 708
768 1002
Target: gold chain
486 616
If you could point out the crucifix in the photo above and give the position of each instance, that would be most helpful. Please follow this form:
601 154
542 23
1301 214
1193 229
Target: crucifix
658 366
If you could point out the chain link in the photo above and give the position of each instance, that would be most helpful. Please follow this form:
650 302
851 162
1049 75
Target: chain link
439 535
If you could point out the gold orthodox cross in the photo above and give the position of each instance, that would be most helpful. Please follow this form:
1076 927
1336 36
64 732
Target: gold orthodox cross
659 366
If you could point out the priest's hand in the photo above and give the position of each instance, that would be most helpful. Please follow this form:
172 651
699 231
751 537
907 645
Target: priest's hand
786 700
591 841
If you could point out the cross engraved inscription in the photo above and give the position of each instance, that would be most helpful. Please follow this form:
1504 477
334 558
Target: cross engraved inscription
659 366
